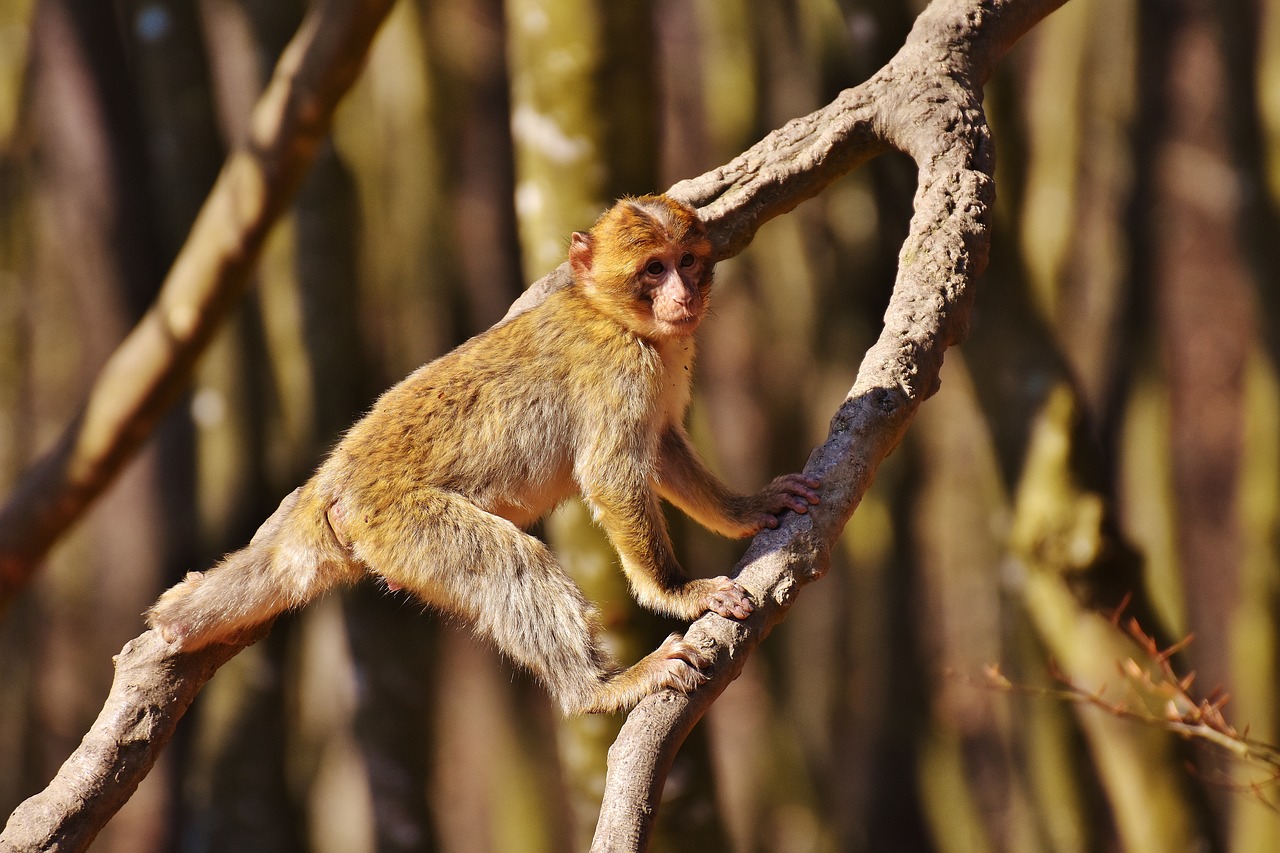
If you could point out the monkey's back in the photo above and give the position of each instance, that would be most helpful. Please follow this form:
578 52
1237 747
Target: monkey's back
503 418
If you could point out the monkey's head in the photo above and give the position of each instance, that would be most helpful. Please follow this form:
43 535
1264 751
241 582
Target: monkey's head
647 261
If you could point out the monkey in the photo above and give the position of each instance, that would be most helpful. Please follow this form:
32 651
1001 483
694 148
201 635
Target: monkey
432 491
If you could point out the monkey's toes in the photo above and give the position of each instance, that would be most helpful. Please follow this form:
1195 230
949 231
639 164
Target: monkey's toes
169 615
166 624
171 634
169 629
729 599
685 663
681 676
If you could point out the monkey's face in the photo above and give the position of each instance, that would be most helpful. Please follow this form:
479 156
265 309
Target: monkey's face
673 284
647 262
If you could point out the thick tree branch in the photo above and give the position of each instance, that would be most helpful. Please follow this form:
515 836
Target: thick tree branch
154 363
927 103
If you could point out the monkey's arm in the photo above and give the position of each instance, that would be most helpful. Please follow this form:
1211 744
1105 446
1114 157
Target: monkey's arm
684 480
632 518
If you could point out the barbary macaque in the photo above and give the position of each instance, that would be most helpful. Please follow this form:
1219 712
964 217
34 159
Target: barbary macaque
431 491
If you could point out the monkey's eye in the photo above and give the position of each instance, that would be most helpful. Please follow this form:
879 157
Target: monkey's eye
687 259
654 268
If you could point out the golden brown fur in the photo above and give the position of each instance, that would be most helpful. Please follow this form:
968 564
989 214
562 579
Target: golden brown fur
584 394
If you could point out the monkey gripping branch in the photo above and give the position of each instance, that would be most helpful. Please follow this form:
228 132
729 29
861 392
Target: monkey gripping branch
925 102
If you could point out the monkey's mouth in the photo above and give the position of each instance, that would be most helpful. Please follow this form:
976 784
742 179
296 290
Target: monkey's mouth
680 325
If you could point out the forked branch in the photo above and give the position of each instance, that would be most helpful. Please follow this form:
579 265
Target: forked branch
926 102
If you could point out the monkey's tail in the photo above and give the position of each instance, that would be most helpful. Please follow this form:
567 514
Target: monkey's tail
289 561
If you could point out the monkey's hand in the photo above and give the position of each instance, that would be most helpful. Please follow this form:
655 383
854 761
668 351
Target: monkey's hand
723 596
795 492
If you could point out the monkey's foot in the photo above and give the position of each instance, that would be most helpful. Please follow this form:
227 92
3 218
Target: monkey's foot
166 616
726 597
676 664
685 663
189 615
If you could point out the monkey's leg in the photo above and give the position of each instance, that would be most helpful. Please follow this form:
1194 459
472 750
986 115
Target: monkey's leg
463 560
292 559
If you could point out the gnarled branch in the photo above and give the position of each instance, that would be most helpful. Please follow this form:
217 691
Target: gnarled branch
925 102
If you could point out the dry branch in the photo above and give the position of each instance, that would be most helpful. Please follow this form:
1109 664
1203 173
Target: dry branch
154 363
925 102
149 695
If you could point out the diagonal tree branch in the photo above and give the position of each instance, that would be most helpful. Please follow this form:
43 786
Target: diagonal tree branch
154 363
146 701
925 102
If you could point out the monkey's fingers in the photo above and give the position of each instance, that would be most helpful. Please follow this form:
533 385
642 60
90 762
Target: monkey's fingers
797 491
794 492
728 598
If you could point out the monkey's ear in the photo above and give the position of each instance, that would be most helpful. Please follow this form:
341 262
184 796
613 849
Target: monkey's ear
580 252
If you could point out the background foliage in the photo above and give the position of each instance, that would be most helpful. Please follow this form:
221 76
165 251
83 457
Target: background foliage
1110 430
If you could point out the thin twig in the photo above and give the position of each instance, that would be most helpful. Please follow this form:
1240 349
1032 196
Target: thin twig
1160 697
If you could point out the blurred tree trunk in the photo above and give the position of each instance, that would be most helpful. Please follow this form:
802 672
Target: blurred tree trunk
169 72
1255 632
555 49
1248 41
236 792
473 225
18 627
1191 218
94 262
1249 38
1063 529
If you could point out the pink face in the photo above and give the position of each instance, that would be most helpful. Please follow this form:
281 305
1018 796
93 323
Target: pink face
669 282
651 269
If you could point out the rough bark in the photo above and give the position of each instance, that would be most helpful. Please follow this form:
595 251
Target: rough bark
150 694
926 102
